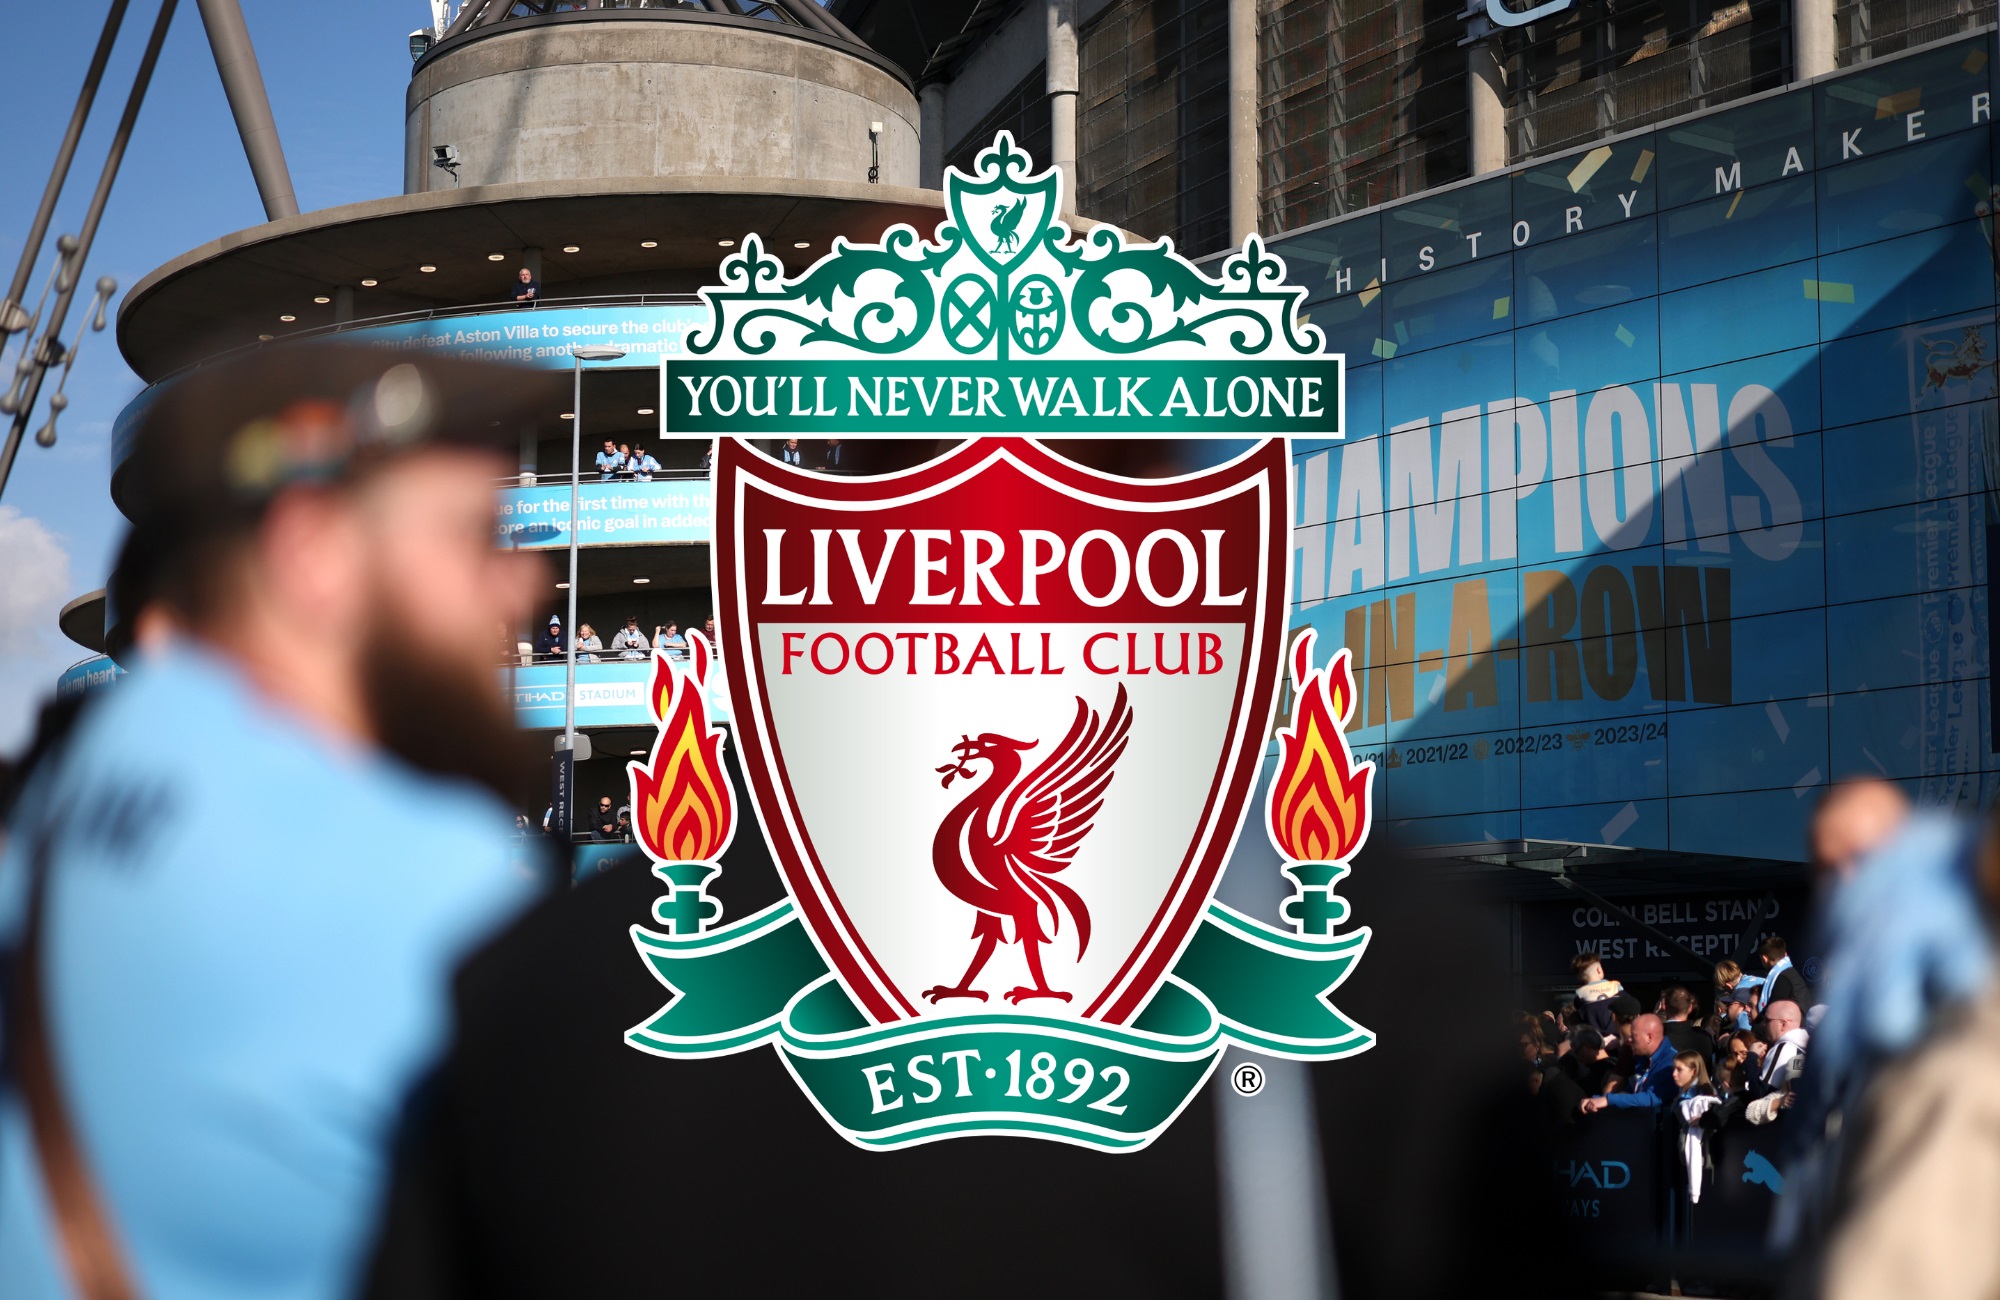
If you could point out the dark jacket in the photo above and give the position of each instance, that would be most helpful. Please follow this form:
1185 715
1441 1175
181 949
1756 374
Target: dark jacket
1687 1037
549 642
553 1159
1790 986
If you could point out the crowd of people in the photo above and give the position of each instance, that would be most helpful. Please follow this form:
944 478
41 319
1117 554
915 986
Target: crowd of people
630 642
1876 1079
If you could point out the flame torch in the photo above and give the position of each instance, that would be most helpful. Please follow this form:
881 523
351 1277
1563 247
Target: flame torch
682 805
1319 806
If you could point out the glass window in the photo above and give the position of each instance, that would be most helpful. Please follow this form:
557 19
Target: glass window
1432 777
1768 745
1583 192
1763 311
1914 731
1908 458
1928 546
1448 307
1737 233
1893 105
1755 824
1339 260
1772 565
1907 640
1604 756
1772 657
1467 224
1641 822
1918 277
1910 368
1617 345
1911 189
1586 271
1736 149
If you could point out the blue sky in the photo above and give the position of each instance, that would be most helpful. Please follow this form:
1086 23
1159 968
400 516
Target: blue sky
336 79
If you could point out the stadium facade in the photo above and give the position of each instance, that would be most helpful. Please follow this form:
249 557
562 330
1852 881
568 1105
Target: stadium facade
1669 330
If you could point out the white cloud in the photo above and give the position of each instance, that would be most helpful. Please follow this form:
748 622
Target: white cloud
34 585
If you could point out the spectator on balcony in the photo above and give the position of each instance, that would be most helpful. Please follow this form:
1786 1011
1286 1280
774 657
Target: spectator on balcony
609 462
829 459
549 644
604 821
790 454
667 639
708 458
644 466
630 642
587 644
527 288
708 634
630 467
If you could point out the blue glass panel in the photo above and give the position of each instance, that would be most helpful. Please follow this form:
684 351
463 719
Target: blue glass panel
1585 272
1933 273
1584 191
1913 189
1910 368
1929 546
1908 640
1911 731
1749 315
1756 824
1770 745
1737 233
1736 149
1908 458
1616 345
1448 307
1637 822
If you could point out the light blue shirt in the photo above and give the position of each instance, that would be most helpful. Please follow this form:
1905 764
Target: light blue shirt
608 464
249 936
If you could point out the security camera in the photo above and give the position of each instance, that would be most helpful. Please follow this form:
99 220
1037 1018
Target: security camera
421 41
444 155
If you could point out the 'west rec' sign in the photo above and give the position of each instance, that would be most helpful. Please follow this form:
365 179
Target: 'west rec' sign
1243 398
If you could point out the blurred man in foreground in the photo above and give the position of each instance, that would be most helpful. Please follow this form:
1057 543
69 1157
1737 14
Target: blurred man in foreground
214 1016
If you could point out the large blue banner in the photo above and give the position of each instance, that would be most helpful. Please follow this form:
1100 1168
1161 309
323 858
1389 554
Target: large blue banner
1666 491
544 336
608 694
612 514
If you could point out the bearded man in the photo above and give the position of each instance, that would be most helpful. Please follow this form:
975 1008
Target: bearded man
234 890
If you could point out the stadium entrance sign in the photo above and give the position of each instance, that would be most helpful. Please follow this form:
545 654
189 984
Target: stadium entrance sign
1001 715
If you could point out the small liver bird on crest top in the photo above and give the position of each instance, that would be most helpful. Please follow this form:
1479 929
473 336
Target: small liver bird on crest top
1007 225
1001 848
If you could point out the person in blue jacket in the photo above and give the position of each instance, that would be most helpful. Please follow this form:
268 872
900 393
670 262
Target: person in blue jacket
1652 1083
235 886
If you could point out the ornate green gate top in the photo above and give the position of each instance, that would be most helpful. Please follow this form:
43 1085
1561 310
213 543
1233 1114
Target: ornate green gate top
1005 324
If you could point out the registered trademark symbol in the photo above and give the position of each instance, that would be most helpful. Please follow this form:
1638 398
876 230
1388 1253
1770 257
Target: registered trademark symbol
1247 1079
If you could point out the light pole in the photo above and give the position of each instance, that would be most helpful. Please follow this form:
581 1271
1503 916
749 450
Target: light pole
565 795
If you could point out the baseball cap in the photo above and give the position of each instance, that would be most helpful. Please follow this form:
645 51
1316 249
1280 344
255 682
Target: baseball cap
220 442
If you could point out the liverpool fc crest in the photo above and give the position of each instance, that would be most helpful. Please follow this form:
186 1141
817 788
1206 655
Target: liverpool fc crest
1001 716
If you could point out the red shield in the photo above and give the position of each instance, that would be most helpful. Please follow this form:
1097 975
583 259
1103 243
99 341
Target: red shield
1001 714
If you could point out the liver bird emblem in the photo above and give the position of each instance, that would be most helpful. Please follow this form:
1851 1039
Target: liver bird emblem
1007 225
1002 848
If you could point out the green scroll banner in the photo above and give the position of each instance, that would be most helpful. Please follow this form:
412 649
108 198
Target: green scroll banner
1243 397
1111 1087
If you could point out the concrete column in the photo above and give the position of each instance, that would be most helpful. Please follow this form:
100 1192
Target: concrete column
930 136
1243 161
1062 85
1813 39
343 303
528 450
1486 108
